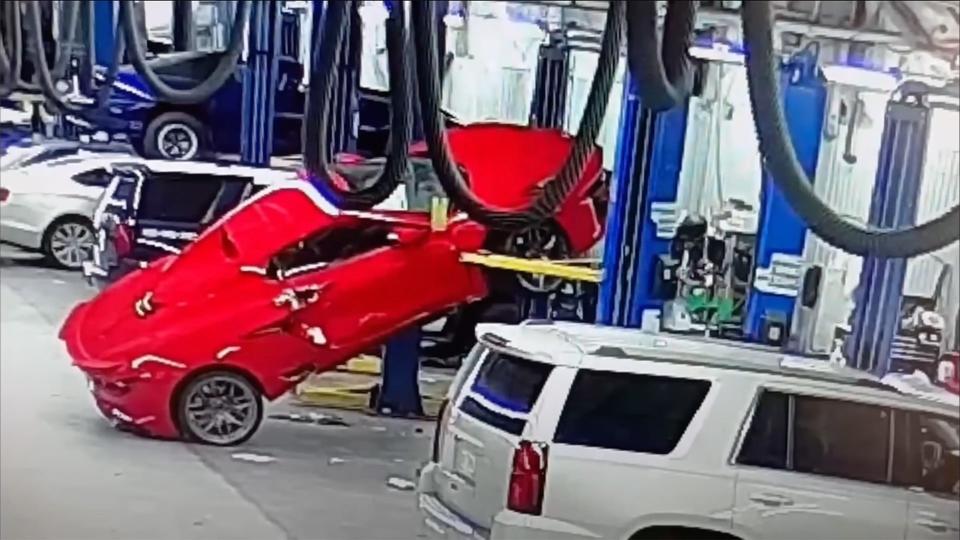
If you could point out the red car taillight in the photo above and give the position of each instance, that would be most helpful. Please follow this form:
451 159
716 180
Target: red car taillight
4 194
527 479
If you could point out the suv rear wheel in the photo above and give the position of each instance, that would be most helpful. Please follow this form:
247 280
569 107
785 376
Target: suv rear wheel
68 242
174 135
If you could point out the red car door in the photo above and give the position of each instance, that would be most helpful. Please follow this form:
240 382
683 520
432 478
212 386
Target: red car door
384 278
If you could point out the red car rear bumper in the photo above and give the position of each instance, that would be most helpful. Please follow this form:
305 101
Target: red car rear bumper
133 397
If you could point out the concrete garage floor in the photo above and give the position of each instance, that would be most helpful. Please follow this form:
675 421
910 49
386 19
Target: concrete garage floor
65 473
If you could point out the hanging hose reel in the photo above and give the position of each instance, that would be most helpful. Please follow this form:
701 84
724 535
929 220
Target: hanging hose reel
203 91
779 158
323 76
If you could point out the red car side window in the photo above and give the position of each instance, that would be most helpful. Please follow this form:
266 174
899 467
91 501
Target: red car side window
333 245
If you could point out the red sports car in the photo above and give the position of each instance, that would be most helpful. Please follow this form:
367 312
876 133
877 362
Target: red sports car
286 285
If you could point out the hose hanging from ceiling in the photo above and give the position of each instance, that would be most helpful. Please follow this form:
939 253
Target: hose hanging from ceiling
664 73
10 63
224 70
323 76
780 161
553 193
40 66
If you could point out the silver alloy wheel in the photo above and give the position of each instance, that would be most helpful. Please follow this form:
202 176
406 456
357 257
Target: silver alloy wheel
177 141
71 243
221 410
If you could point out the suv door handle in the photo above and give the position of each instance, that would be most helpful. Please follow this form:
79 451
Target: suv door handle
771 499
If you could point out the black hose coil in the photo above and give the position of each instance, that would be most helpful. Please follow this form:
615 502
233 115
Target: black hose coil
323 76
780 161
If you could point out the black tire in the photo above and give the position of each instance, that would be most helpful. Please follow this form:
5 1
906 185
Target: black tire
187 418
175 135
54 233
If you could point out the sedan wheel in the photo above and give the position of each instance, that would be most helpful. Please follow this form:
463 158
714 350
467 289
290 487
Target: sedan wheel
69 244
178 141
219 408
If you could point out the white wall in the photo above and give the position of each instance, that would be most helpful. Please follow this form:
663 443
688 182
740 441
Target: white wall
721 159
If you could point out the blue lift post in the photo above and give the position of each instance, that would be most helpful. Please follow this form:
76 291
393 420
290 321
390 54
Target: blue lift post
260 84
780 230
876 315
104 24
646 171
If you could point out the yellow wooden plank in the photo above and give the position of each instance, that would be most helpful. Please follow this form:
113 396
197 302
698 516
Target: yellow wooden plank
533 266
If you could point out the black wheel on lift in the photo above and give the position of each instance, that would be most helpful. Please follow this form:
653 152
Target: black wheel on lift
546 241
220 408
174 135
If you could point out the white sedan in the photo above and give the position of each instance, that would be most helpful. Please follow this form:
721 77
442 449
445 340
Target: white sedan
48 207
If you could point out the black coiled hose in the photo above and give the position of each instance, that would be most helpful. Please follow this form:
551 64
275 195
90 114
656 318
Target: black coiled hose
10 62
224 70
41 69
323 75
780 161
556 190
664 73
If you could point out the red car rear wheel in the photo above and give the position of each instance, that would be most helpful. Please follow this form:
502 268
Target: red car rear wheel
220 408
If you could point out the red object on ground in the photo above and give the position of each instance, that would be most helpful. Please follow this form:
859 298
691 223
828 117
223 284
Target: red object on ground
287 285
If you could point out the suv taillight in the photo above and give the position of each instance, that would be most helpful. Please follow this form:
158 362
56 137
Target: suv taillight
527 479
4 194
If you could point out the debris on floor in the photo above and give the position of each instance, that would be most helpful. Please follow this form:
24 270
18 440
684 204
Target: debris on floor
401 484
321 419
378 428
336 461
252 458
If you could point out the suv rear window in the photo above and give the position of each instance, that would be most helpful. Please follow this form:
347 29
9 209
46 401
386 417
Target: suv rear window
511 382
504 391
630 412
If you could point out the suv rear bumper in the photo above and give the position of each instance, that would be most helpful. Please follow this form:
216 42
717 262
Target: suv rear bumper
438 520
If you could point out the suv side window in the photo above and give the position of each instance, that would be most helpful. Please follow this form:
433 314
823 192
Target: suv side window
628 411
821 436
926 453
178 198
841 438
765 444
329 246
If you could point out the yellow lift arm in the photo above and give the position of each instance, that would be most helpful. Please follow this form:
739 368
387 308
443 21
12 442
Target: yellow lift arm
561 269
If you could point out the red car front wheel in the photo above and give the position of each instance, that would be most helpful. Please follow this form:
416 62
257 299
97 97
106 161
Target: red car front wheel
221 408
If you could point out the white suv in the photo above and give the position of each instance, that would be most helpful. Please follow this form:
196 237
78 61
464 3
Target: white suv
562 431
